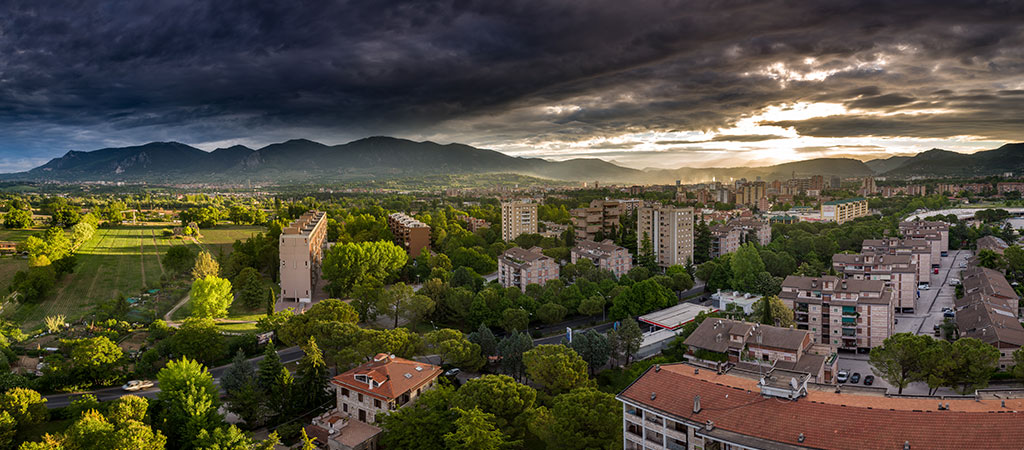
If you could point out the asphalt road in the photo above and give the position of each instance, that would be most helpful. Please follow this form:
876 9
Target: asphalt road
287 355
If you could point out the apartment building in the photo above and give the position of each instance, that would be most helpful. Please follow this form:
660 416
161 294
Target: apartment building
898 271
604 255
844 314
519 267
670 230
934 240
868 187
842 211
301 250
920 252
751 192
382 385
727 238
683 407
410 234
473 224
602 216
1005 187
752 344
911 228
518 217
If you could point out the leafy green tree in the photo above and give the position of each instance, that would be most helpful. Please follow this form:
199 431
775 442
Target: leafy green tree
400 301
551 313
513 319
990 259
452 347
224 438
583 418
20 409
701 242
974 362
592 306
211 297
593 347
556 368
270 368
113 212
511 349
421 425
189 401
485 339
33 285
248 284
771 311
510 402
647 258
898 359
94 359
625 342
746 265
178 258
681 279
348 265
17 218
475 430
318 321
1018 363
936 365
205 266
198 338
128 408
312 383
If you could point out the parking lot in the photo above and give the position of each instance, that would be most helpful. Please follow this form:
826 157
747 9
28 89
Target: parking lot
928 314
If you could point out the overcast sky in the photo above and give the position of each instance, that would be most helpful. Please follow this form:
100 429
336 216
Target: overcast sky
642 83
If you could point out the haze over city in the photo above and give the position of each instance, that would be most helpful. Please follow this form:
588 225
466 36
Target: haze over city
642 84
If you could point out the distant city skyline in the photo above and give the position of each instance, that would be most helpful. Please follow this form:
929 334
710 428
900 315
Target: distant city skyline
642 84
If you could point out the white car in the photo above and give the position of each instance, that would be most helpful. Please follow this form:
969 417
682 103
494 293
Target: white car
954 281
923 286
137 385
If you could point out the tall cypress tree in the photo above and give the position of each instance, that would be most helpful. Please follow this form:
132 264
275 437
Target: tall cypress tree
312 381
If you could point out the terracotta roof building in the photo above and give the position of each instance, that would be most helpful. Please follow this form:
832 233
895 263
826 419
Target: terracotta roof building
380 386
679 407
989 311
753 344
992 243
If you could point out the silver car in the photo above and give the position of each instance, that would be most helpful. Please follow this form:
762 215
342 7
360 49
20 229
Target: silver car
137 385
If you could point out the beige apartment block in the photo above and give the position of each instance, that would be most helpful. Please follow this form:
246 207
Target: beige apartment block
604 255
844 314
913 227
920 252
842 211
519 217
518 267
898 271
670 230
301 251
601 216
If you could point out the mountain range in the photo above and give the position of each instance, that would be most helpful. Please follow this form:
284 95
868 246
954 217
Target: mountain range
302 160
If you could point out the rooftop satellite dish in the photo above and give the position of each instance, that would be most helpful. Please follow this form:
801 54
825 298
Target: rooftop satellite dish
793 383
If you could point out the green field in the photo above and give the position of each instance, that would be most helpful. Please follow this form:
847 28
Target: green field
116 261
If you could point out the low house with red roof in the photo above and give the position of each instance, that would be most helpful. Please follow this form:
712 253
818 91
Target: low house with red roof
382 385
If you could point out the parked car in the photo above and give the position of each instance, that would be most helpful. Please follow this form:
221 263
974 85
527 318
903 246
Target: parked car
937 331
843 376
855 378
949 314
963 264
954 281
935 270
452 372
923 286
137 385
869 380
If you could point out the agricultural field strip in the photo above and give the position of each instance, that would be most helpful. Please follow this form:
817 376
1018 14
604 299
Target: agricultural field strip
58 304
159 251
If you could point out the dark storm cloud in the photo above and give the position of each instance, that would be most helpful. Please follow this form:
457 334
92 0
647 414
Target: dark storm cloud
86 74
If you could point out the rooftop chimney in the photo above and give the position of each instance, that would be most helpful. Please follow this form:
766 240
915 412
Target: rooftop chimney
800 438
696 404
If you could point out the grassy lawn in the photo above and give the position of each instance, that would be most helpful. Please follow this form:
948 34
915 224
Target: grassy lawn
116 261
18 235
237 327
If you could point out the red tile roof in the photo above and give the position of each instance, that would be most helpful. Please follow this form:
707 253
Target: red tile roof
393 376
826 419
